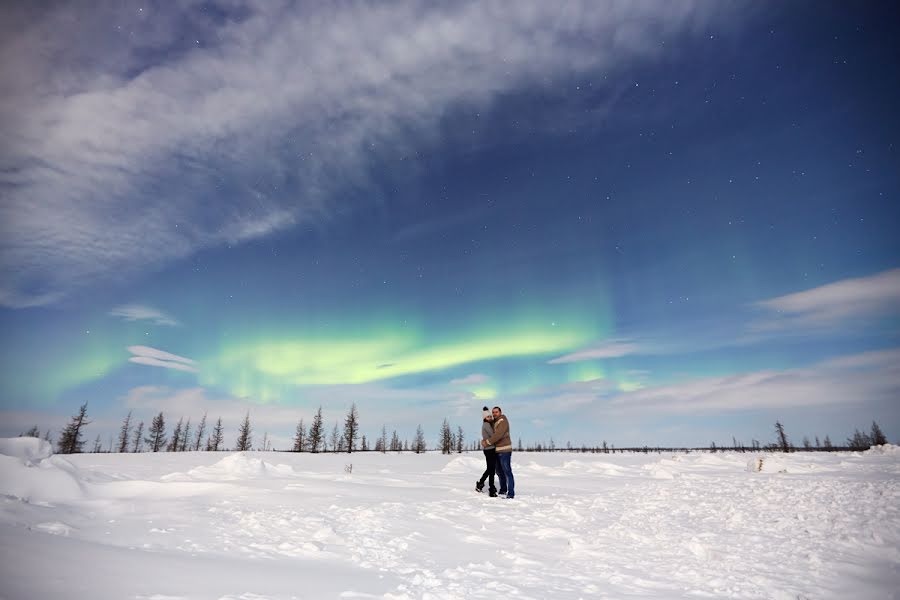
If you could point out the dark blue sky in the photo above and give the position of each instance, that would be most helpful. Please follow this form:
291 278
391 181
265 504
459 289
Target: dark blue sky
633 222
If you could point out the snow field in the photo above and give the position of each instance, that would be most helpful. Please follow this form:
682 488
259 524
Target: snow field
400 526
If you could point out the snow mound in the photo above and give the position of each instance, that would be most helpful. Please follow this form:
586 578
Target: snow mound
599 468
462 465
660 470
28 471
30 449
770 463
886 449
239 465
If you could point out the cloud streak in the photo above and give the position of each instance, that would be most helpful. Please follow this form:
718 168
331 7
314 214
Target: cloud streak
473 379
833 304
145 355
857 378
119 128
610 349
137 312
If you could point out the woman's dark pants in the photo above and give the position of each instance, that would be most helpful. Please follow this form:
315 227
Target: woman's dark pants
490 457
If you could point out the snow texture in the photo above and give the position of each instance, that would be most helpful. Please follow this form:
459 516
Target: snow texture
264 525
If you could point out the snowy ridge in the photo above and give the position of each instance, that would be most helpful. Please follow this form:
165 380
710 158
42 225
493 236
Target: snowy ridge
251 525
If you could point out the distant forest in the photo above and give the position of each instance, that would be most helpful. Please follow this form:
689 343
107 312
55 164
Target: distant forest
346 438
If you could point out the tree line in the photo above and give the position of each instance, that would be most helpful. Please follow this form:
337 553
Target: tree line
346 437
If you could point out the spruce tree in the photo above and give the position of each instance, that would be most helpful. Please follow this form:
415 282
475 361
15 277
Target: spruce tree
459 439
351 429
245 439
33 432
201 431
185 436
125 433
218 436
877 437
395 442
316 432
70 441
175 442
137 446
157 432
446 438
420 445
383 440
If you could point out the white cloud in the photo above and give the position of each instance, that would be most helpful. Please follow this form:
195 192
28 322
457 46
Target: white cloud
833 304
870 376
108 162
138 312
610 349
145 355
473 379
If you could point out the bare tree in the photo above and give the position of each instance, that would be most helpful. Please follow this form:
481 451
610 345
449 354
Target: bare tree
364 444
245 439
138 444
265 441
300 437
98 445
335 438
826 443
201 431
860 441
807 445
351 429
33 432
157 432
383 440
781 439
70 441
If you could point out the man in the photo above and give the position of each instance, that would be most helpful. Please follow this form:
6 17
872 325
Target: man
503 443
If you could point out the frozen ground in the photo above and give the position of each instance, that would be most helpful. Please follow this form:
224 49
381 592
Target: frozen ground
256 525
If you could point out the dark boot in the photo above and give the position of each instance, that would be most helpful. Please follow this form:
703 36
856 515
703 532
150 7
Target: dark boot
479 486
492 492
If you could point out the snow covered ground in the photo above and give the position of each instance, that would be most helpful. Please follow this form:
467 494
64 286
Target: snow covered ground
258 525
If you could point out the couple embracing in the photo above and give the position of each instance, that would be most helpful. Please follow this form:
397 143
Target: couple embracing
497 446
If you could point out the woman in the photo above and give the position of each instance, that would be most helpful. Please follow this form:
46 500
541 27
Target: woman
490 455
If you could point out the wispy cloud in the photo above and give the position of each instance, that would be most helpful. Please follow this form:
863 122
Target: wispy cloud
857 378
832 304
138 312
145 355
473 379
118 128
609 349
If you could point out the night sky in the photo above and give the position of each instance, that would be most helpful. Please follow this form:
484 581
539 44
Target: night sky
640 222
